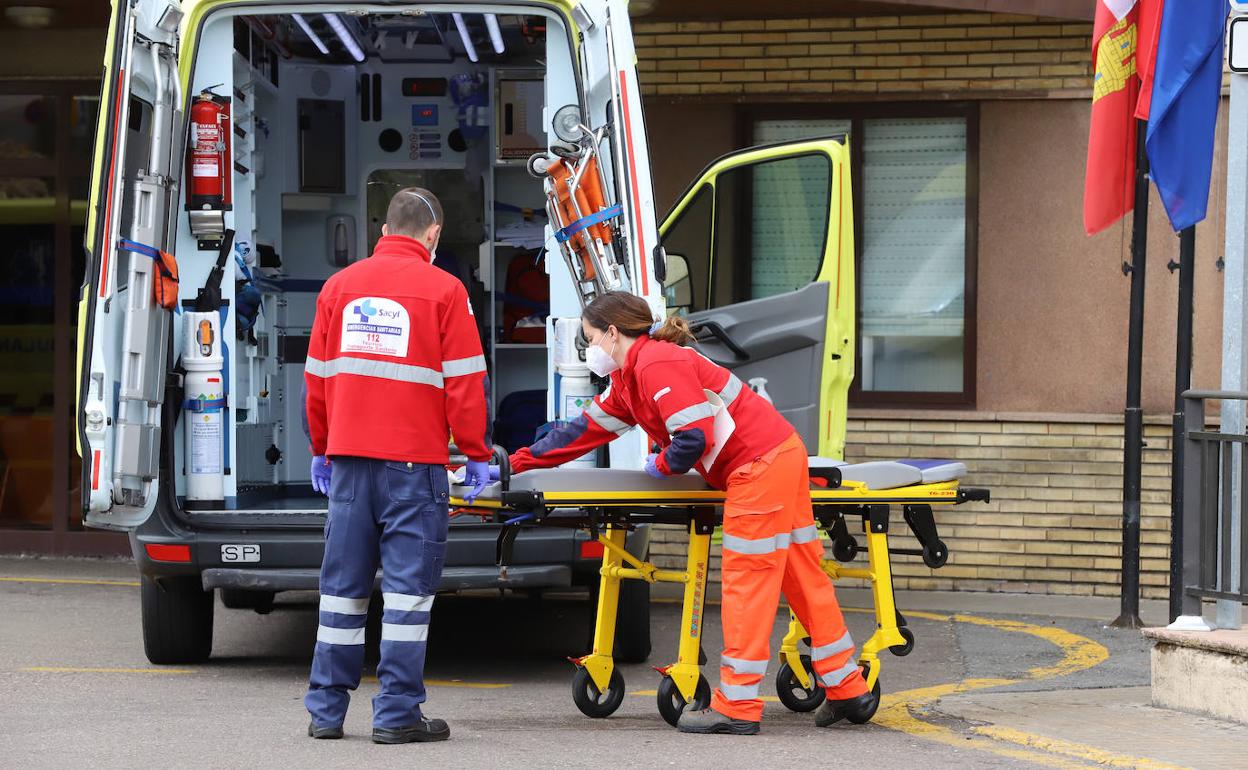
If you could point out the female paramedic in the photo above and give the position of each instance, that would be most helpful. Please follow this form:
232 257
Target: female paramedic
771 543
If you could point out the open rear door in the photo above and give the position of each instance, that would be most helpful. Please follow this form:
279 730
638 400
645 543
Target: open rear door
124 343
608 64
760 258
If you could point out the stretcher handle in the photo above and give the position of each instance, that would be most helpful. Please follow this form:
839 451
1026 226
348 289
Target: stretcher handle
831 475
500 458
503 460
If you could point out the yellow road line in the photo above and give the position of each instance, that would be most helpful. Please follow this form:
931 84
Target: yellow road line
453 683
71 670
1076 750
69 581
897 711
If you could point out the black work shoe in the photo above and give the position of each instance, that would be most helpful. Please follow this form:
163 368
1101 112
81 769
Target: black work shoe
858 710
711 722
424 731
324 733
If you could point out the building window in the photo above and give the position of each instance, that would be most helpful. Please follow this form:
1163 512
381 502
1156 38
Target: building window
913 177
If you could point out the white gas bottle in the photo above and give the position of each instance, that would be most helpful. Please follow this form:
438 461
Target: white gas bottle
576 393
204 407
759 386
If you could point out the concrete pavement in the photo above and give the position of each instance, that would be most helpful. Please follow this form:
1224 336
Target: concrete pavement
994 681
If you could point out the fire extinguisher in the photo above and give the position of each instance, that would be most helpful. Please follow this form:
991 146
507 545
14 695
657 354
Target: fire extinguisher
208 159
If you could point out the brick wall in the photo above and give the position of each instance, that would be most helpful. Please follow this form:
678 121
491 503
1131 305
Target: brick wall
1055 521
966 54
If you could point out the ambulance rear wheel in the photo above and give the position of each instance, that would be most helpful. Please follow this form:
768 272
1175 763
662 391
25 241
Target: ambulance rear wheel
177 619
792 694
672 702
592 702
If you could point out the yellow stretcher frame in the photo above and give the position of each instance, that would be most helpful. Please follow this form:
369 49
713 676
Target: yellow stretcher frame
609 514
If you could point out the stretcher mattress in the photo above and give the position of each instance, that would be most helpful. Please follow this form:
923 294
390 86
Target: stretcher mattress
877 475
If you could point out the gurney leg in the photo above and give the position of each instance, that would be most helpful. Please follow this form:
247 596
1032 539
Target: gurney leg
795 682
685 674
600 663
887 633
789 652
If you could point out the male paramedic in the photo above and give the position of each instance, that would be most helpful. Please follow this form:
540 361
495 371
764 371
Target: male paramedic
705 419
394 368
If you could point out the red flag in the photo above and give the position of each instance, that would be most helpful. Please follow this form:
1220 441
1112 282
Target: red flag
1149 25
1109 188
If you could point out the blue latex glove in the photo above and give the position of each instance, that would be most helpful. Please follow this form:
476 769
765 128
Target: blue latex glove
652 467
322 471
476 475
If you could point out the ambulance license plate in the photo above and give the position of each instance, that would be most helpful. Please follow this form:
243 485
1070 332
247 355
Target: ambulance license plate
240 552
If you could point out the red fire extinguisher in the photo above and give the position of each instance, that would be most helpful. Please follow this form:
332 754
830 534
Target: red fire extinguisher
208 167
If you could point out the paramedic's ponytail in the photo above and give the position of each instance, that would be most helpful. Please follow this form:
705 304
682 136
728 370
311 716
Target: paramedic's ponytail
674 330
632 316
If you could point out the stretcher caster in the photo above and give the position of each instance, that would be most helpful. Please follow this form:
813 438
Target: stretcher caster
935 555
792 694
671 702
902 650
590 701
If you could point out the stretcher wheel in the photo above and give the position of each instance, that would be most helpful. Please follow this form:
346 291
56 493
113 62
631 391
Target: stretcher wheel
935 555
844 552
671 702
590 701
792 694
902 650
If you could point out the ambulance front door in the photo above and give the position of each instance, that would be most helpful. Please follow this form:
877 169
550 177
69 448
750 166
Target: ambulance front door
760 260
124 334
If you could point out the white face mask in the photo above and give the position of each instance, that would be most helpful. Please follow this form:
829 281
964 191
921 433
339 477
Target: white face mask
600 361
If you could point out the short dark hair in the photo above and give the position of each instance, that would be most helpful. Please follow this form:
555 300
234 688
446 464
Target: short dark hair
413 210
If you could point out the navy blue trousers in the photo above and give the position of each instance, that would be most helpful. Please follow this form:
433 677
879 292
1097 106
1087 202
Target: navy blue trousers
393 514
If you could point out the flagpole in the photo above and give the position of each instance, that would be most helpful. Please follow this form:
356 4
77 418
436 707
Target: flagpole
1182 381
1133 418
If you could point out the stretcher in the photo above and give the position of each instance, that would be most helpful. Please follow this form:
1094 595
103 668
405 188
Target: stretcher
608 503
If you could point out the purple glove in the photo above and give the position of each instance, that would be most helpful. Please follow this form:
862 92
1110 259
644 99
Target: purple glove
496 473
476 475
652 467
321 473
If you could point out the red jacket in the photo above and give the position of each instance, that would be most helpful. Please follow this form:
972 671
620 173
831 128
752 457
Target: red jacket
395 364
661 388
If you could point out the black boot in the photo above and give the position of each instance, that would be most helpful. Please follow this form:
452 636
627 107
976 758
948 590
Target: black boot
324 733
858 710
424 731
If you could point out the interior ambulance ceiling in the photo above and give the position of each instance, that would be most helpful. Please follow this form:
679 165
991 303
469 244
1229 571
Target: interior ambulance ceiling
404 37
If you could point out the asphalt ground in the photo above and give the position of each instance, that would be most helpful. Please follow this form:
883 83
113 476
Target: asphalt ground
76 689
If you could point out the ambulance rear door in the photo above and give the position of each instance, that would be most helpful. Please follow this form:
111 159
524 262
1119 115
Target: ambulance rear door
760 259
124 334
608 63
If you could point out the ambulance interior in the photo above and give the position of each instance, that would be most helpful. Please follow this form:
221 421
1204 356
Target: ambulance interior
332 114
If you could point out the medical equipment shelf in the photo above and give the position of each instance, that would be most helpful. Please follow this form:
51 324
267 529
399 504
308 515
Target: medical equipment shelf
607 503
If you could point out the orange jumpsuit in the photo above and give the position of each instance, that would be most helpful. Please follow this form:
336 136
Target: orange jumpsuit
771 542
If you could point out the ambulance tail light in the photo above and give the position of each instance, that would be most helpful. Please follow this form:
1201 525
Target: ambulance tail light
165 552
592 549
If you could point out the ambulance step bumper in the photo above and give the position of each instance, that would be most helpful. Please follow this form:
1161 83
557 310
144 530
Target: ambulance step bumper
453 578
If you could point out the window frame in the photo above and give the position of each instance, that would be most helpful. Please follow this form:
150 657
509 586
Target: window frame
857 113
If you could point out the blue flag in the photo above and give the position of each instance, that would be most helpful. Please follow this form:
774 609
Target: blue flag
1187 85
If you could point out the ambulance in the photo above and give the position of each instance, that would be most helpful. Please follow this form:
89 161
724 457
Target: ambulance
247 149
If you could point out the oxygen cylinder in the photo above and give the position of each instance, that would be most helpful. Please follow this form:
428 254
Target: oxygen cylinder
204 407
576 393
